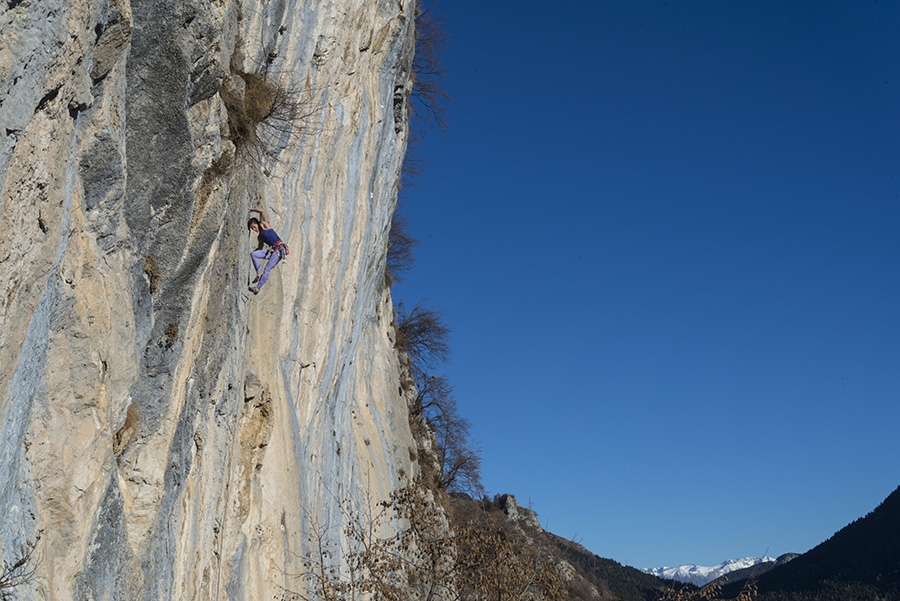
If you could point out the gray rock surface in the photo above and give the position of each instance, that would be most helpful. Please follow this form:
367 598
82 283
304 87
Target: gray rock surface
511 507
164 434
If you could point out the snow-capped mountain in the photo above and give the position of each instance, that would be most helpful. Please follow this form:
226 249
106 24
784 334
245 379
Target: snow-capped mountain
700 575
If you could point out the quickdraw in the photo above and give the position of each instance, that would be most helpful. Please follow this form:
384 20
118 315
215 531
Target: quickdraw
282 249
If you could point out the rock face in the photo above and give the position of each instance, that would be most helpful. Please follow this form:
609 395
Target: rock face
166 434
515 512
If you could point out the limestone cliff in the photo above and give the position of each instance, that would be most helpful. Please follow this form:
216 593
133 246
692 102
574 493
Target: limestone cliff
166 434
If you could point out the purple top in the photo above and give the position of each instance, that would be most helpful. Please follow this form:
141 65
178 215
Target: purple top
268 236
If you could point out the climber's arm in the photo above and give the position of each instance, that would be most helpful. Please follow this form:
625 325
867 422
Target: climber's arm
263 219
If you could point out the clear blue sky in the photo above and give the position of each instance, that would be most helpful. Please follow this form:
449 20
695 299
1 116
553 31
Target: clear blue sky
666 236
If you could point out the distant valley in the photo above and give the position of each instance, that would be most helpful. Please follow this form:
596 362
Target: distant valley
861 562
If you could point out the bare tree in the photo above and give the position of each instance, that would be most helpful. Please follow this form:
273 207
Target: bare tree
429 96
422 335
431 395
459 460
400 257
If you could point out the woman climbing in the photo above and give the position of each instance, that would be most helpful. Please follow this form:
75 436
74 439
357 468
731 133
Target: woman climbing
267 237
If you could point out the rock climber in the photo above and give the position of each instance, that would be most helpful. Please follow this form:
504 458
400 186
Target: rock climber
276 251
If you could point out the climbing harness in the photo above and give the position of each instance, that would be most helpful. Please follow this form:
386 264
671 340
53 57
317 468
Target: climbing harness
282 249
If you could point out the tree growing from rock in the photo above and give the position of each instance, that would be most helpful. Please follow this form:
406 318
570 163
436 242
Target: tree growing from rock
422 335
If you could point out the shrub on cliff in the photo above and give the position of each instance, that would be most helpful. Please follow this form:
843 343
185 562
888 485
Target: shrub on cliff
411 547
400 548
263 112
17 573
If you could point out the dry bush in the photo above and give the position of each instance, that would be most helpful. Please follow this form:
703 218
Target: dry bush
405 548
495 561
400 549
153 271
171 333
17 573
495 567
125 433
321 576
264 112
418 557
217 169
710 592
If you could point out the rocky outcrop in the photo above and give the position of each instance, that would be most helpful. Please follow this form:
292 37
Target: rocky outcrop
166 434
509 505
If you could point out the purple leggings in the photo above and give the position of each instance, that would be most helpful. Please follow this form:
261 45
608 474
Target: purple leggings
257 256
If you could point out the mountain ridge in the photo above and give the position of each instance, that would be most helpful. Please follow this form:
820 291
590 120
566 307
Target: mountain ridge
860 562
700 575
